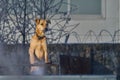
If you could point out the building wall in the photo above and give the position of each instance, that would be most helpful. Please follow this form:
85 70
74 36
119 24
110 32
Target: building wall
89 28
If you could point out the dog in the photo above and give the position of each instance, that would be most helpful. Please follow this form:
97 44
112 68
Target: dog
38 46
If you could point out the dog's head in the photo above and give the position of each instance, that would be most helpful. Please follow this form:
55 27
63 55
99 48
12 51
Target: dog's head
42 23
41 26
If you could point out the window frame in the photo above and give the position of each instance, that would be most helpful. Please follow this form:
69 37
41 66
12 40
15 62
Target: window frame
91 16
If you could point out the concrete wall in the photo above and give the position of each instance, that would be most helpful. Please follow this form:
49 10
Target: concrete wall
81 77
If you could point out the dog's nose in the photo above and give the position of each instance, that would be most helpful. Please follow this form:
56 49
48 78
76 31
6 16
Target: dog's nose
46 29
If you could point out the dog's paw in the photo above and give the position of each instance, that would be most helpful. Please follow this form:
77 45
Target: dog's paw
33 69
48 62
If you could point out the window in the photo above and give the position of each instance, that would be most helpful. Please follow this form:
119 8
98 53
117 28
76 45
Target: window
87 9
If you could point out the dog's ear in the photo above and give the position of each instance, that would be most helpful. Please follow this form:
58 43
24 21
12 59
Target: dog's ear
48 22
37 21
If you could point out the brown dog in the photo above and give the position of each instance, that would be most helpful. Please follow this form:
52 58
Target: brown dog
38 46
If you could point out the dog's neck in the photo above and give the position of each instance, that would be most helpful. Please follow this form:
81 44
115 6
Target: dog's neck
40 37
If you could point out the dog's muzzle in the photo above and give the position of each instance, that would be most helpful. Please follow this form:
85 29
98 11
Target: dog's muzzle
46 29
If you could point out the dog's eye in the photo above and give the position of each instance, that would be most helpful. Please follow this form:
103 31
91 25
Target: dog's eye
41 23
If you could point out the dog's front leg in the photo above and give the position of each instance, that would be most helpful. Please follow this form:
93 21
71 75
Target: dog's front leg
46 56
31 55
32 58
45 52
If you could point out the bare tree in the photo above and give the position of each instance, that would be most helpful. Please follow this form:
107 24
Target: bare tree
17 21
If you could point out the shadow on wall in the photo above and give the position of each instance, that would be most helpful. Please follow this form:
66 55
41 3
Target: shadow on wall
74 65
12 60
99 69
